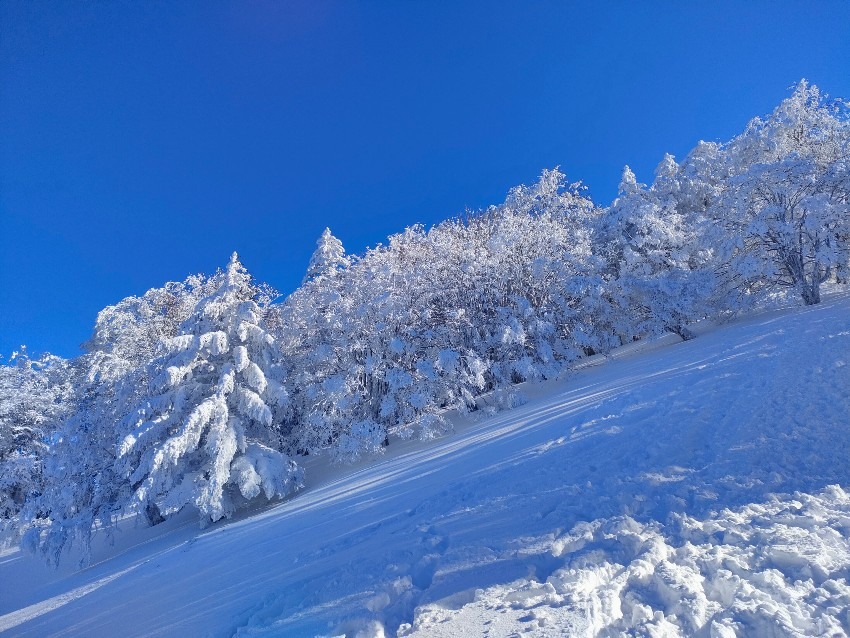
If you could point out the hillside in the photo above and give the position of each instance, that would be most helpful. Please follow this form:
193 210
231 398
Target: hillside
692 488
209 394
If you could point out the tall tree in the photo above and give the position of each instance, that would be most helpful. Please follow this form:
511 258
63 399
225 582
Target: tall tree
201 425
785 213
327 258
210 432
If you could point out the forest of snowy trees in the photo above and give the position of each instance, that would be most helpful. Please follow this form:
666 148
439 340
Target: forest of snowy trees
206 393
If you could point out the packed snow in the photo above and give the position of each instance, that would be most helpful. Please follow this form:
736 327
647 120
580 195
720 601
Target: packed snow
674 489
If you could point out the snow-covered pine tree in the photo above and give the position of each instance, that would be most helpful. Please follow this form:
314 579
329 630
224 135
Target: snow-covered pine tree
81 489
211 431
328 257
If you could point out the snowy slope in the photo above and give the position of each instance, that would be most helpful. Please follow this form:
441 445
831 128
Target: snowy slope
691 489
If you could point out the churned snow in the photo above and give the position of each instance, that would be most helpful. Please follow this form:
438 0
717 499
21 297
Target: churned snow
677 489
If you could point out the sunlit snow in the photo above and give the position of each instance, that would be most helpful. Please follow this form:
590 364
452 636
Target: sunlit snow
674 489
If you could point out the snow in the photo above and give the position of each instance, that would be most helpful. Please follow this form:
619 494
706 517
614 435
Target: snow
673 489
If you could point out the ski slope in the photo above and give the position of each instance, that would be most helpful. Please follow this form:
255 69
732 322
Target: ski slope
692 488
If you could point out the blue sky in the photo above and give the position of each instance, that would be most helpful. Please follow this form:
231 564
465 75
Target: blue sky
142 142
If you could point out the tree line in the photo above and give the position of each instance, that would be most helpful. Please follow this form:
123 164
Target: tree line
206 393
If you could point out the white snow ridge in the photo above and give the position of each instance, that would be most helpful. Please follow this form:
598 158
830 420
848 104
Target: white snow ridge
697 488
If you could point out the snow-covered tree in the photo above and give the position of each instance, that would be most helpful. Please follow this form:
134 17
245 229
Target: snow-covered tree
82 490
210 431
434 318
807 124
785 213
34 396
789 227
202 424
657 268
328 257
133 328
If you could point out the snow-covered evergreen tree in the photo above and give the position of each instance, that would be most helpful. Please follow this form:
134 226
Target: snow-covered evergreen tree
82 489
210 432
201 425
327 258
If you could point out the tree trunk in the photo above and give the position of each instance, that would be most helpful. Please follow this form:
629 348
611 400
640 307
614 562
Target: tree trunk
811 294
152 514
683 331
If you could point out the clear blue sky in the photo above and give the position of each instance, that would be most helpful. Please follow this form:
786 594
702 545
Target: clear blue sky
144 141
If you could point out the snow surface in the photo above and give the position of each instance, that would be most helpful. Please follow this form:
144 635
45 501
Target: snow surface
692 488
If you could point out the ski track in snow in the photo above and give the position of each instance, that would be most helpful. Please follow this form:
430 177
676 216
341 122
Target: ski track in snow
16 618
690 489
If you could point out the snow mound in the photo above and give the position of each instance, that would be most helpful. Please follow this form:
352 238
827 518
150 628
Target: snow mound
778 568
